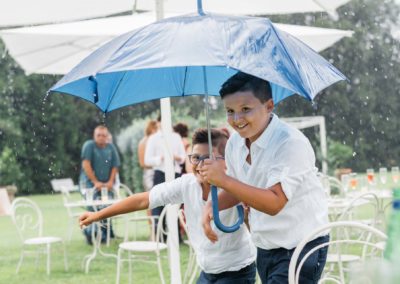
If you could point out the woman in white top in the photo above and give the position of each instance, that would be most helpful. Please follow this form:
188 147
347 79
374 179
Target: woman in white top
229 261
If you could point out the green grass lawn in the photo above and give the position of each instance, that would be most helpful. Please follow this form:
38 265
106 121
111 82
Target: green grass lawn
102 269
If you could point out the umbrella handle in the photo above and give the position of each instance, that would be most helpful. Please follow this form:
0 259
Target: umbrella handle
217 221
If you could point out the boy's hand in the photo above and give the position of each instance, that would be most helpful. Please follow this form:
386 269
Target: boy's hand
206 220
213 171
86 219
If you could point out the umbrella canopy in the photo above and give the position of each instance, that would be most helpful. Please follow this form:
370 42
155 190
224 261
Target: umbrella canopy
28 12
168 58
248 7
57 48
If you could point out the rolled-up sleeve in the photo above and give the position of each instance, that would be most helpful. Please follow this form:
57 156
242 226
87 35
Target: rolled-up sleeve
166 193
294 159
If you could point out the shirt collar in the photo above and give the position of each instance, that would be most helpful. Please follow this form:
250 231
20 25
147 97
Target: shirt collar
262 141
264 138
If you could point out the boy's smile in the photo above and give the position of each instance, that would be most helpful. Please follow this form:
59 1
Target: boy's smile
247 114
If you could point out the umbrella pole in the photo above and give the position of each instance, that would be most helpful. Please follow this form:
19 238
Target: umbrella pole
214 190
207 112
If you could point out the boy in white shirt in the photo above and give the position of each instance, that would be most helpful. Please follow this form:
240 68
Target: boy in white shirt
229 261
271 168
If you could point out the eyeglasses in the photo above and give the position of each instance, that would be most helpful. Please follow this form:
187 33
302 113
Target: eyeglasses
196 159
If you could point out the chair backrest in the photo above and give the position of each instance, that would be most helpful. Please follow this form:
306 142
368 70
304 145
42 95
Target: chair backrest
372 237
370 209
5 204
331 185
182 220
336 187
27 218
63 184
161 229
123 191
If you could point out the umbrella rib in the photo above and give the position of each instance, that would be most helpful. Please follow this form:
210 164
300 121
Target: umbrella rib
115 91
184 81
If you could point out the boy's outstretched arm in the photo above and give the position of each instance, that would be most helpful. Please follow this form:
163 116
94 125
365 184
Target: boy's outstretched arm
138 201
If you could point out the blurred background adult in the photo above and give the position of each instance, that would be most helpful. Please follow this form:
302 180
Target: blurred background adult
100 163
183 130
157 146
148 172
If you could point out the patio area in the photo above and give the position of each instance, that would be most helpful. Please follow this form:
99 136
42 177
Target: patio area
102 270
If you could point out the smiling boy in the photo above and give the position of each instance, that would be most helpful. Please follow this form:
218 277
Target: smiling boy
229 261
271 168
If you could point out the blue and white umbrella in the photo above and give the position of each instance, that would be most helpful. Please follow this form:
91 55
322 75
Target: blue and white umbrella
193 55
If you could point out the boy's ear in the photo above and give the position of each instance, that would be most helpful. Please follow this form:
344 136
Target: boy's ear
270 105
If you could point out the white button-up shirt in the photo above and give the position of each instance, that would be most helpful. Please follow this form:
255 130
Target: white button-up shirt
158 146
282 154
231 252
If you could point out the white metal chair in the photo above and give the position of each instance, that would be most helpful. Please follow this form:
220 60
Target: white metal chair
192 267
28 220
367 246
123 191
144 250
363 208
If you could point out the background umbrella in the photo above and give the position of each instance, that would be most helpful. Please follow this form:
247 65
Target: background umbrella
195 54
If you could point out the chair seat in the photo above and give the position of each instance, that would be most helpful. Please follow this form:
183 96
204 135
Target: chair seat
343 258
142 246
42 240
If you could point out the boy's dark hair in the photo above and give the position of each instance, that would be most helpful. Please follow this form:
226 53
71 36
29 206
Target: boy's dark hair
242 82
182 129
218 138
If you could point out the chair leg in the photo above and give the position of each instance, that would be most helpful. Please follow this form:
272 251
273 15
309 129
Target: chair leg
160 271
119 263
21 258
194 273
108 231
65 257
70 229
37 258
48 259
130 267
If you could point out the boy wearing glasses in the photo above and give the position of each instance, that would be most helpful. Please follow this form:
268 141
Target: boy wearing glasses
229 261
271 168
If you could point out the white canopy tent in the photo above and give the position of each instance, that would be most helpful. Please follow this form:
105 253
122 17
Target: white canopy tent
248 7
33 12
57 48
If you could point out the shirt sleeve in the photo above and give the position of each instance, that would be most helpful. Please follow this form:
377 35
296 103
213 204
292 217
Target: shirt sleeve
167 193
150 155
292 162
87 151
